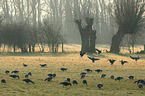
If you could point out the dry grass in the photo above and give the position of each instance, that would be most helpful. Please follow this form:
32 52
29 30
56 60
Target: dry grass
75 65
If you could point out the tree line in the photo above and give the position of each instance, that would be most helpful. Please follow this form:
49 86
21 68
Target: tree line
25 36
90 21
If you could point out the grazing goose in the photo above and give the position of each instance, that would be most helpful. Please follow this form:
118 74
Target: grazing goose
131 77
119 78
66 83
83 73
68 79
25 65
26 76
98 70
14 76
15 71
28 80
43 65
30 73
112 76
7 71
63 69
93 59
88 70
103 75
82 76
50 74
75 82
100 85
48 78
54 75
85 82
140 85
3 81
139 81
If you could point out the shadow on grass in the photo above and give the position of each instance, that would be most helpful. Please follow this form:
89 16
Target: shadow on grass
121 54
33 54
96 55
142 56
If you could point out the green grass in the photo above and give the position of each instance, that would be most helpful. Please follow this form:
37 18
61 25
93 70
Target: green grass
75 65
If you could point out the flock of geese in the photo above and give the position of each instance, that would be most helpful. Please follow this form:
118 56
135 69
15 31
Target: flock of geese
67 82
140 82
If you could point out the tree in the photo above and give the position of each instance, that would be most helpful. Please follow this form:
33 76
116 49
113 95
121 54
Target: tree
14 34
84 20
51 35
129 17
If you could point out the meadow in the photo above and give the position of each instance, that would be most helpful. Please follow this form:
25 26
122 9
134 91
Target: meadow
75 65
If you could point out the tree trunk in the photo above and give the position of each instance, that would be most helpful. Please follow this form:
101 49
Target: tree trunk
87 35
39 48
14 48
29 47
144 48
56 47
52 47
116 42
23 49
92 41
33 47
85 42
62 48
42 48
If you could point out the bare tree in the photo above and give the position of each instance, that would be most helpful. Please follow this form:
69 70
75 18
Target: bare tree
84 19
51 36
14 34
129 17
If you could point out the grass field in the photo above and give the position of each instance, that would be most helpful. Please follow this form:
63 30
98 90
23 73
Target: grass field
75 65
